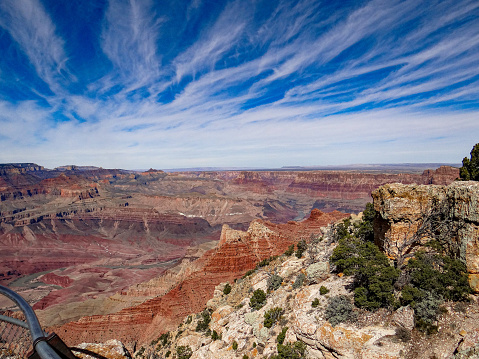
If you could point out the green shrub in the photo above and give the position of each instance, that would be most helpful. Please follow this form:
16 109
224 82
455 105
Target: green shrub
164 338
168 353
215 335
254 344
411 295
289 252
189 319
323 290
227 289
374 277
426 312
300 248
235 345
245 356
339 310
315 303
274 282
184 352
258 300
272 316
281 336
294 350
299 281
248 273
435 273
204 322
266 261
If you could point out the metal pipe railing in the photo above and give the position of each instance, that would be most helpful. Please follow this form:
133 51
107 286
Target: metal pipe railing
36 331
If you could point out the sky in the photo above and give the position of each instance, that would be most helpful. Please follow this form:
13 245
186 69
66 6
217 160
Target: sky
208 83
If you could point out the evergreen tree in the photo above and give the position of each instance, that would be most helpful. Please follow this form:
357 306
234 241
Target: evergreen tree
470 167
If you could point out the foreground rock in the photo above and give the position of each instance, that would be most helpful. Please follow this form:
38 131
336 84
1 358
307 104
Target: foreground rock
241 331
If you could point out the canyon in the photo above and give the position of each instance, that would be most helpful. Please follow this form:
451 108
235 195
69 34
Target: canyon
88 246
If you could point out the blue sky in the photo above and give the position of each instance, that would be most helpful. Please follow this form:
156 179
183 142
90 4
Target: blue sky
167 84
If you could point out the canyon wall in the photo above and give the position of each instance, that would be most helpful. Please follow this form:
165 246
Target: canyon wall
236 252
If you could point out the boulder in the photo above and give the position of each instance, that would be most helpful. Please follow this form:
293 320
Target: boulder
404 317
317 272
112 349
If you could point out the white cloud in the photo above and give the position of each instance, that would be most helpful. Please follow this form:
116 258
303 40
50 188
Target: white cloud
29 24
129 39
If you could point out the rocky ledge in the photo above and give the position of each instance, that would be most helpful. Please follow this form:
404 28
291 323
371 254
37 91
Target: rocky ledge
411 215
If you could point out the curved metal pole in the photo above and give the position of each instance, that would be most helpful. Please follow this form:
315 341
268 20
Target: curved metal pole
14 321
38 337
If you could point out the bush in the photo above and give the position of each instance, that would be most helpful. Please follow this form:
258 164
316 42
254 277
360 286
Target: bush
411 295
272 316
323 290
258 300
168 353
235 345
290 351
301 247
248 273
339 310
435 273
281 336
164 338
227 289
266 261
299 281
245 356
184 352
374 277
215 335
289 252
274 282
315 303
204 323
426 312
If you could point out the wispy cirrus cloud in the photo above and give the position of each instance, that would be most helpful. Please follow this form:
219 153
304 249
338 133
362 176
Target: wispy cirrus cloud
129 39
31 27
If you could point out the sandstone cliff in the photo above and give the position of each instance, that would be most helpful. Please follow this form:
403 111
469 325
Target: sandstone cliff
404 208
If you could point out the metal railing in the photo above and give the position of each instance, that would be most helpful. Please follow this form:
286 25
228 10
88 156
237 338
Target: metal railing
17 336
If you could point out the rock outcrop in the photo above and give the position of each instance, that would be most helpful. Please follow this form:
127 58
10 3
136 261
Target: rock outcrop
382 334
403 209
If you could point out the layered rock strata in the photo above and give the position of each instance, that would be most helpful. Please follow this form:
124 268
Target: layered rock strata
236 253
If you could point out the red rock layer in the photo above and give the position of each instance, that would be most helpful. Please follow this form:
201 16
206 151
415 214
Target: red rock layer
236 253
